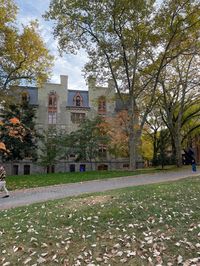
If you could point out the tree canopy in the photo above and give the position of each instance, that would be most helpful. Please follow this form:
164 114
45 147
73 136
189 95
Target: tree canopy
23 55
87 140
18 132
130 41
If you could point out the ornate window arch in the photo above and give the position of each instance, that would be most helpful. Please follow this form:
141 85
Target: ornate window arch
78 100
52 100
52 108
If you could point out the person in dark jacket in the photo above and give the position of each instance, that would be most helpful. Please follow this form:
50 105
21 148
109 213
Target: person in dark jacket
3 181
194 167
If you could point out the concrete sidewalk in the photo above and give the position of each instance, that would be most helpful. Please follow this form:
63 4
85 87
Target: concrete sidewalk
28 196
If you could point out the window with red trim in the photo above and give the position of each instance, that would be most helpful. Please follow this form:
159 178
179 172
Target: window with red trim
78 100
52 108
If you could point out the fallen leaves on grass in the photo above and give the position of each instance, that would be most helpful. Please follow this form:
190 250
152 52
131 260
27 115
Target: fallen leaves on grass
158 226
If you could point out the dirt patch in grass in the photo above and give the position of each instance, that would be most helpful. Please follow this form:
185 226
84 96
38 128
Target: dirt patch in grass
89 201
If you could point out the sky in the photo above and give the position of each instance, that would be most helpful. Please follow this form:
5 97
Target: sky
68 64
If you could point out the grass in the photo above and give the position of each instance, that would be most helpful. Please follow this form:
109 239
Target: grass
146 225
40 180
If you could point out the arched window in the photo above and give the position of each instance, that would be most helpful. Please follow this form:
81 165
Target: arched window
78 100
102 105
52 103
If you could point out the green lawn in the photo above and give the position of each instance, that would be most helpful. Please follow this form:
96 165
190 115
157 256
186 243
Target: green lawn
40 180
146 225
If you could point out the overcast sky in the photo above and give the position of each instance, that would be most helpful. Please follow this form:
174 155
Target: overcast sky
70 65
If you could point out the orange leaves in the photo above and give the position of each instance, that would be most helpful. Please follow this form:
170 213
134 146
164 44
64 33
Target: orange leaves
14 121
103 127
14 129
116 129
2 146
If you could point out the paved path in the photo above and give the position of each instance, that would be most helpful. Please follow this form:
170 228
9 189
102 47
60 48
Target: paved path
42 194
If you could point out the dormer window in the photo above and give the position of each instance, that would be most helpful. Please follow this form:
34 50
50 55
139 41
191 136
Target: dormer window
102 105
78 100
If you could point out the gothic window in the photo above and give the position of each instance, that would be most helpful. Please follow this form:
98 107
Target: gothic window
78 100
52 118
52 108
102 151
76 118
52 101
102 105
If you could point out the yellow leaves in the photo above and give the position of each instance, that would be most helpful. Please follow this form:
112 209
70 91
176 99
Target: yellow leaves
8 12
146 147
23 53
116 129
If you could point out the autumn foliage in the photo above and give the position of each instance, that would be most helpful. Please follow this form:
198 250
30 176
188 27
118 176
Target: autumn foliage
116 129
13 129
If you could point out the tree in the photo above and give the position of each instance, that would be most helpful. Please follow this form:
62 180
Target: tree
50 149
180 89
154 124
23 55
18 131
86 141
146 148
190 124
128 41
12 131
157 134
116 128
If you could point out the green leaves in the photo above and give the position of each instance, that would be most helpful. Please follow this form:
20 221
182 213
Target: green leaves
85 142
50 147
20 137
131 42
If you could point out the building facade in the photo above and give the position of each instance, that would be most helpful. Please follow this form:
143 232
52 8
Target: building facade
65 109
58 106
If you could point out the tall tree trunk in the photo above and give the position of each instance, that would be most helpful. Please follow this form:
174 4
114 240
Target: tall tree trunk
178 154
132 150
155 148
133 136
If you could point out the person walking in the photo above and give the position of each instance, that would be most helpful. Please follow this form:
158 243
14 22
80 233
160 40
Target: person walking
194 167
3 181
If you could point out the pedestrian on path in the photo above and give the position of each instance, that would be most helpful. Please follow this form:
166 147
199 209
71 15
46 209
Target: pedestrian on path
194 167
3 181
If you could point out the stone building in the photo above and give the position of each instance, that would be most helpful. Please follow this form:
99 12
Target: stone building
57 105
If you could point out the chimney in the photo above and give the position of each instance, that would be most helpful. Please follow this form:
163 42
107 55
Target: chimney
64 81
